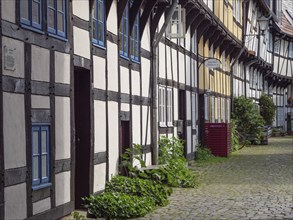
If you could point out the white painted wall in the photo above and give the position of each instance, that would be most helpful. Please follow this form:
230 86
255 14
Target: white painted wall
14 130
99 177
62 122
113 139
135 80
136 124
112 19
80 35
100 125
62 68
41 206
112 66
19 56
99 72
124 77
62 188
40 64
145 74
8 10
15 201
38 101
81 9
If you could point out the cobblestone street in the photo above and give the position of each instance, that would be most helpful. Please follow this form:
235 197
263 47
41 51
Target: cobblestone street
255 183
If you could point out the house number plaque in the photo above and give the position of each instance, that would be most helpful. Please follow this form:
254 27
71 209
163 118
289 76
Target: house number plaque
9 58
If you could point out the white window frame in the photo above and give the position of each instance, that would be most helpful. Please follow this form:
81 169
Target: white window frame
169 106
162 106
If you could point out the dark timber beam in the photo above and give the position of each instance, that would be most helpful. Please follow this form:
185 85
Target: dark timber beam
219 41
191 16
196 23
155 21
210 32
122 4
203 27
108 4
145 15
134 11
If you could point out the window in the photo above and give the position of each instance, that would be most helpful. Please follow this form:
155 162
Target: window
31 13
169 107
98 23
124 33
162 106
193 110
206 107
237 10
40 156
134 40
290 49
56 17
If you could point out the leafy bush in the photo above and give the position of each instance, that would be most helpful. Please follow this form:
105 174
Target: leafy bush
140 187
267 109
234 136
175 172
112 205
203 153
247 117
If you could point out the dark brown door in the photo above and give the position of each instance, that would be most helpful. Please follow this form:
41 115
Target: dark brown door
82 138
182 116
201 109
124 142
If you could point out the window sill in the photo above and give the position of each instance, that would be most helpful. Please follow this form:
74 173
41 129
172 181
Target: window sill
99 46
31 28
124 57
135 61
58 37
163 125
41 186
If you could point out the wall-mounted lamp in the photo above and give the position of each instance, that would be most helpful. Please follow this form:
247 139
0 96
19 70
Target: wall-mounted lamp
263 23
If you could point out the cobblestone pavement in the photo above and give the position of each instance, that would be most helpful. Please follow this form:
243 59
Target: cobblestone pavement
255 183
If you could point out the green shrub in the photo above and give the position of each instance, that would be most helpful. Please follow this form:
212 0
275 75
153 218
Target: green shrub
112 205
139 187
203 153
175 172
267 109
234 136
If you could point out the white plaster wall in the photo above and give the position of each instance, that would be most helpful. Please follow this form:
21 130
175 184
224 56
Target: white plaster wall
62 188
145 74
145 40
113 139
169 63
99 177
125 107
161 57
62 121
112 66
175 100
99 72
80 8
188 105
62 68
276 61
41 206
124 77
181 68
148 159
112 19
175 71
146 127
15 201
19 55
187 73
189 136
136 124
8 10
283 65
100 125
38 101
187 39
290 68
81 42
40 64
14 130
135 78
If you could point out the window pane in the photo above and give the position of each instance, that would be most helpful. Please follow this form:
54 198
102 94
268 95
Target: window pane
60 22
35 168
44 141
94 10
51 18
44 166
35 12
51 3
95 29
60 5
100 11
100 30
35 142
24 9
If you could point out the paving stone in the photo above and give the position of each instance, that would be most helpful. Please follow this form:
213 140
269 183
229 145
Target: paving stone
255 183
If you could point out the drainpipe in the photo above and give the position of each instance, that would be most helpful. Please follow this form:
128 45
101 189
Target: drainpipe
155 151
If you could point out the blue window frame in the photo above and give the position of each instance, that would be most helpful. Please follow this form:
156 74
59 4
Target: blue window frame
135 41
40 156
56 17
98 23
124 33
31 13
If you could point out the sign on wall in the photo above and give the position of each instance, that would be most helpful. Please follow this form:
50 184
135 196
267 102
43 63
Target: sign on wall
212 63
9 58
